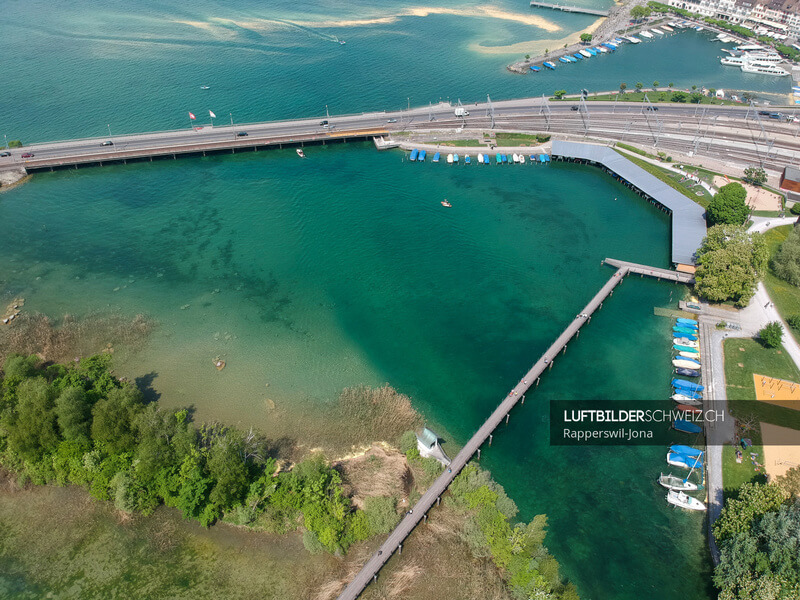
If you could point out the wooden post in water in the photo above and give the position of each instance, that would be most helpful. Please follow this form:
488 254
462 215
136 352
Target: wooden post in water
507 416
490 439
400 548
438 500
425 518
479 453
522 402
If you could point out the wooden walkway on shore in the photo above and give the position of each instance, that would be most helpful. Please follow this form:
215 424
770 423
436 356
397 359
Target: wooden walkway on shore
570 9
394 543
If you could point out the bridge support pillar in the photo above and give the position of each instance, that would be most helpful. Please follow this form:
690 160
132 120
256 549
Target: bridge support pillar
438 500
564 351
538 379
400 548
425 518
490 439
507 417
522 402
551 365
374 578
479 453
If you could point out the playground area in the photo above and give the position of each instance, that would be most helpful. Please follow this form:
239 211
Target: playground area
777 391
757 198
781 447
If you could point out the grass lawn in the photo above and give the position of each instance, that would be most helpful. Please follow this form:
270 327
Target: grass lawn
472 143
697 194
740 388
735 474
654 97
518 139
785 295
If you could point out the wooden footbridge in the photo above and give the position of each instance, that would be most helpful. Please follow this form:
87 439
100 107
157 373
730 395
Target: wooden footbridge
570 9
394 543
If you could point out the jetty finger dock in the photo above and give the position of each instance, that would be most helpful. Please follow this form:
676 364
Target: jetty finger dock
570 9
394 543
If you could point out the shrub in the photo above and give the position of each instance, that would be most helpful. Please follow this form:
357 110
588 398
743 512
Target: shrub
381 513
542 138
794 321
771 334
15 144
795 209
728 206
755 175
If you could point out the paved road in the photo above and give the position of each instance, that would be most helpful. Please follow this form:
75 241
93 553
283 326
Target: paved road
558 114
428 499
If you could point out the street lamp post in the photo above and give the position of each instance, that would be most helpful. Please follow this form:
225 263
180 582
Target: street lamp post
233 131
109 136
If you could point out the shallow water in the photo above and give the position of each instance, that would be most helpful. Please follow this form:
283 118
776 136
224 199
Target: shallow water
312 275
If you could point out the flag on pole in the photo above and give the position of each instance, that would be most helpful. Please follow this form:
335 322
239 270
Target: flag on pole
213 116
192 117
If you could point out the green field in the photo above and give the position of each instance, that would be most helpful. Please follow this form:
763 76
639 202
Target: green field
697 194
735 474
519 139
785 295
654 97
459 143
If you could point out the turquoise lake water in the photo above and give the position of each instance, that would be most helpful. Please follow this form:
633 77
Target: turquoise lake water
344 268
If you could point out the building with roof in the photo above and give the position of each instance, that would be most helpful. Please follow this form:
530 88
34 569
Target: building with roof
790 183
782 16
429 447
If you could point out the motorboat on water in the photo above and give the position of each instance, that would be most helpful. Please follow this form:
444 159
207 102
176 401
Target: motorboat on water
446 204
455 158
690 355
205 87
449 159
686 394
682 333
436 157
515 157
687 451
676 459
684 363
684 501
522 159
681 341
672 482
688 400
300 152
694 387
687 372
467 159
686 426
480 159
682 348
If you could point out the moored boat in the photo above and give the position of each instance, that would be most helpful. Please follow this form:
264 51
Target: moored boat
684 501
422 155
449 159
684 363
455 158
687 372
563 60
515 157
467 159
436 157
446 204
689 322
646 34
676 459
414 154
681 341
586 54
480 159
549 65
682 348
522 159
535 69
691 355
696 410
687 450
687 400
300 152
498 158
672 482
686 426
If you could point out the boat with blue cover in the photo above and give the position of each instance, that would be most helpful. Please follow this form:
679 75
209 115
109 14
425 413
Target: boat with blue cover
592 51
682 341
681 460
686 426
683 371
414 154
578 56
498 158
467 159
687 336
682 348
563 60
535 69
455 158
504 157
686 450
436 157
686 359
422 155
549 65
684 332
690 322
681 383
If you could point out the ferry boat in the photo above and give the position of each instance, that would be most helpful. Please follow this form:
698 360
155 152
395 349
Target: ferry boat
764 69
749 48
646 34
549 65
300 152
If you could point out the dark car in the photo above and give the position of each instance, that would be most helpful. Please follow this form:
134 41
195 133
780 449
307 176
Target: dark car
107 143
325 122
27 155
764 112
775 116
652 108
574 108
4 154
241 133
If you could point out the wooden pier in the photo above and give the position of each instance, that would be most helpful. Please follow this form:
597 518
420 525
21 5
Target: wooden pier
394 543
570 9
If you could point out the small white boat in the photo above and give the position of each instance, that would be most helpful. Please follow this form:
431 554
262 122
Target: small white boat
601 49
586 53
687 354
300 152
646 34
522 159
515 157
667 28
681 399
684 501
685 342
682 363
450 159
671 482
658 31
633 39
446 204
480 158
205 87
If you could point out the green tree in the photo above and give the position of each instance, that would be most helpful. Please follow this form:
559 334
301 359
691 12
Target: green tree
228 468
622 87
738 514
728 206
527 57
771 334
15 144
655 86
586 38
786 263
696 98
670 84
712 92
559 94
678 96
33 432
794 321
112 419
74 413
640 12
639 86
755 175
730 261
